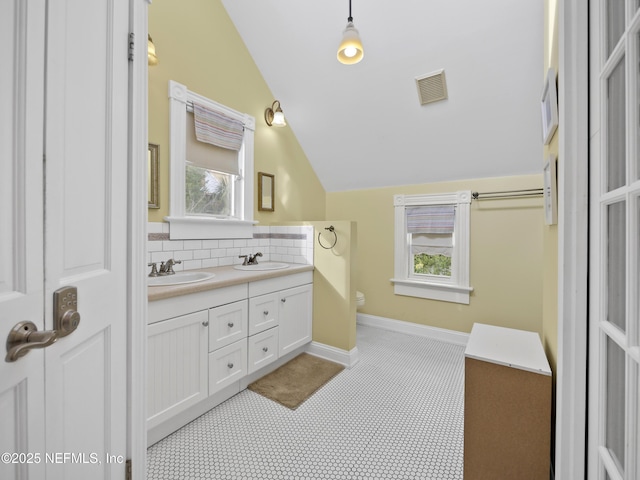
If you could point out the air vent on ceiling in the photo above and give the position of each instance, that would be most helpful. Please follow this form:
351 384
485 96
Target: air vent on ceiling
432 87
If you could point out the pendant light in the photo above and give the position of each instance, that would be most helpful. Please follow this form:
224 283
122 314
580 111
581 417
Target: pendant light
350 50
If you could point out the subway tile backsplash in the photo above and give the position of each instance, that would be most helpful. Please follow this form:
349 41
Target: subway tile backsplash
292 244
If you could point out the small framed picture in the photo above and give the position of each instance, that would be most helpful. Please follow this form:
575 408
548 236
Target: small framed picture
153 159
550 191
266 191
549 107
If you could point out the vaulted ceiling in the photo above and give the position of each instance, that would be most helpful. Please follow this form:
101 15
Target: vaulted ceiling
362 126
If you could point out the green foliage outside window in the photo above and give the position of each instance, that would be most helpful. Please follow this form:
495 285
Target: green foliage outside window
432 265
207 192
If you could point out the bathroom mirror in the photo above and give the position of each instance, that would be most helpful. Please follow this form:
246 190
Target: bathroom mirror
265 192
152 175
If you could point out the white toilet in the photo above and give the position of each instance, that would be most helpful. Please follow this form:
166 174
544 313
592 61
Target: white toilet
359 300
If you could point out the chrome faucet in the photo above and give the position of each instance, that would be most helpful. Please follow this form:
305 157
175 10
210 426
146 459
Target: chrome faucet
253 259
166 268
250 259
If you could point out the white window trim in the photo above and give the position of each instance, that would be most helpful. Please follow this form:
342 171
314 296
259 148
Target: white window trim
182 226
454 289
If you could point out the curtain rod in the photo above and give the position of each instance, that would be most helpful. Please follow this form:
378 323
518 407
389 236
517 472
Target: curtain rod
531 192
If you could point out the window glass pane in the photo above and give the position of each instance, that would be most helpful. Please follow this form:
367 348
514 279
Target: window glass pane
616 265
615 23
615 427
426 264
616 111
208 192
431 253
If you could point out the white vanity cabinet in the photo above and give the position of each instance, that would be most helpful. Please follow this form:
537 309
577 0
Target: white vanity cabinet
177 352
295 318
205 347
227 344
286 302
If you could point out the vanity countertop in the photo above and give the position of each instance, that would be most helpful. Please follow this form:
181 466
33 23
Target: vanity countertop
224 277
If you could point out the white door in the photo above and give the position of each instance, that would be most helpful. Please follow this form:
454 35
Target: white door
614 314
64 110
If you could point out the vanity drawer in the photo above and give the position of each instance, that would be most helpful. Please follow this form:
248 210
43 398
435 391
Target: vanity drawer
227 324
263 349
227 365
263 313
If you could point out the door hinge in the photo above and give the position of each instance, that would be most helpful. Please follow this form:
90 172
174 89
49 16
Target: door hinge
127 469
132 45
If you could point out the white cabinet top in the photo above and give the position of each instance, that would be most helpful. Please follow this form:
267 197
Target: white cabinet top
508 347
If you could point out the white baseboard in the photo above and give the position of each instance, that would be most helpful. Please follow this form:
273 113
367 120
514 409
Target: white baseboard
343 357
442 334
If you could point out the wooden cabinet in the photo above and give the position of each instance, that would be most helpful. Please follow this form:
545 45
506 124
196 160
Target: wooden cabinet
177 366
507 405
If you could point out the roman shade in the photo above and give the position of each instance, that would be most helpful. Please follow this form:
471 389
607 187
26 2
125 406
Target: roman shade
431 219
217 128
432 244
207 155
431 228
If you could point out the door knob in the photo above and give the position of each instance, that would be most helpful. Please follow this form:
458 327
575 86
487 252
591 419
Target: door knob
25 336
65 310
66 318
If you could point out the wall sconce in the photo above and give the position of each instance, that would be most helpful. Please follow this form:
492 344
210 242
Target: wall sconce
151 52
273 115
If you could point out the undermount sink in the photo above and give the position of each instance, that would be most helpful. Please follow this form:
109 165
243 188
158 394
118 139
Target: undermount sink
262 266
179 278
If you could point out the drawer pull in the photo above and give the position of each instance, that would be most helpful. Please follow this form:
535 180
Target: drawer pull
230 324
265 349
230 365
266 312
205 323
283 300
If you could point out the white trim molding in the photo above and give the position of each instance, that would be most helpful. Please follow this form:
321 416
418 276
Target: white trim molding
182 226
571 377
410 328
137 244
450 289
333 354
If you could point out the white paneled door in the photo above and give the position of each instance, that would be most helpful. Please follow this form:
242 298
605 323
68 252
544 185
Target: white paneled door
63 220
614 313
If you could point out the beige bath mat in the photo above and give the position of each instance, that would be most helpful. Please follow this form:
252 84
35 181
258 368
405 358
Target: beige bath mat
296 380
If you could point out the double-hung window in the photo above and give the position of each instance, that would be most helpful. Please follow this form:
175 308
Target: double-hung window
432 246
211 171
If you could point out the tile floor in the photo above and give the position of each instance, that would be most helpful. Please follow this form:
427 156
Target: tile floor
397 414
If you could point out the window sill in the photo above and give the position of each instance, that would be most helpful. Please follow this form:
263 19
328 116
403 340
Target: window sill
433 291
203 228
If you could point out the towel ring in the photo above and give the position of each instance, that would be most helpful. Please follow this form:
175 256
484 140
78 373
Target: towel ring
332 230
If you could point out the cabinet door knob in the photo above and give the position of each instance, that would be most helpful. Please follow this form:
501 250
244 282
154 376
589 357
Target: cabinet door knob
265 349
205 323
230 324
266 312
283 300
230 365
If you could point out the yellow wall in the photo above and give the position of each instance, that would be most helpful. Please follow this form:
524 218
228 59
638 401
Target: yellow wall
513 254
198 46
334 283
506 256
550 232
